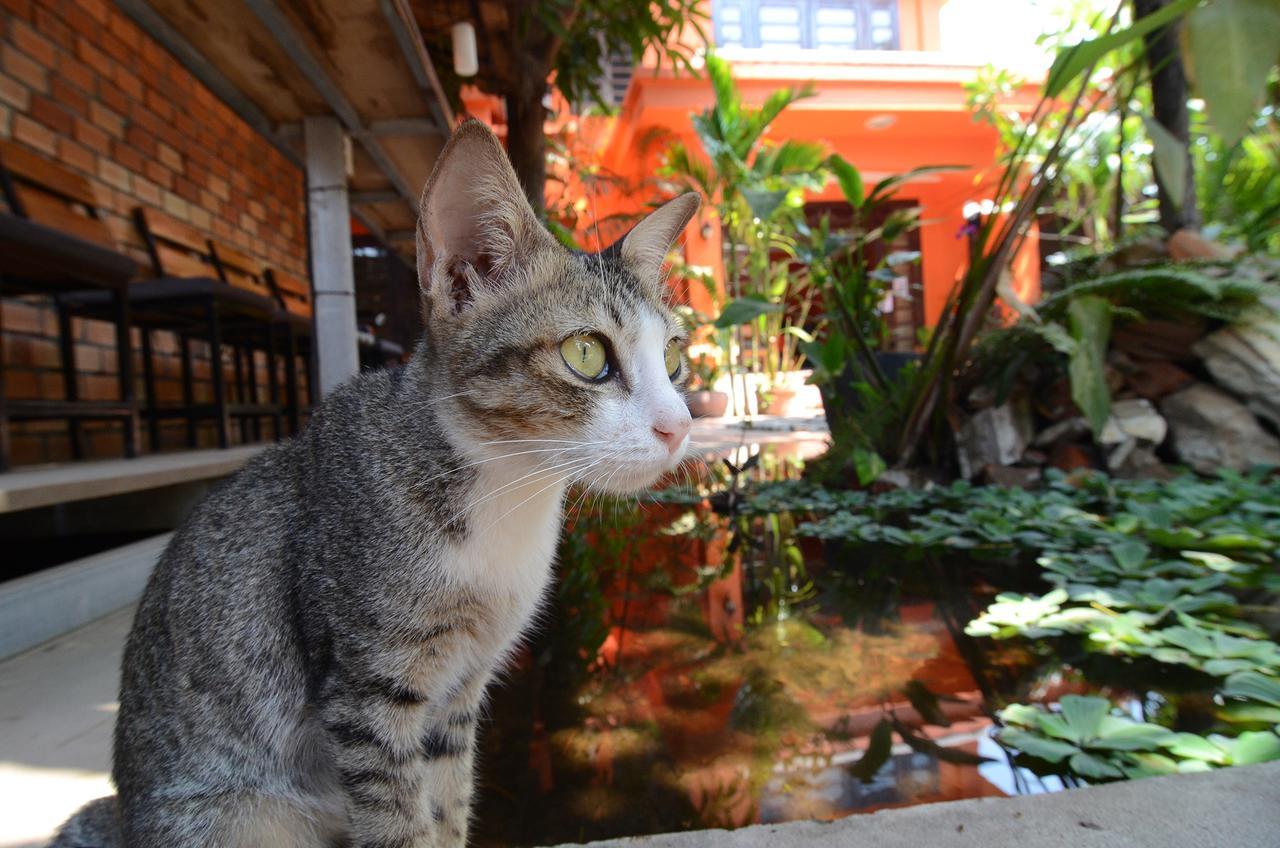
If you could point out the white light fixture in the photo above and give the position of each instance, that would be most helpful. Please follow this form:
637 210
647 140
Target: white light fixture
465 60
880 122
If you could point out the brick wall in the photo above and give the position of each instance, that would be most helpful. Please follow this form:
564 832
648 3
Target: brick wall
79 82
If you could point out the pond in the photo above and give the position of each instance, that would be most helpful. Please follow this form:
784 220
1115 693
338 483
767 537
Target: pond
704 666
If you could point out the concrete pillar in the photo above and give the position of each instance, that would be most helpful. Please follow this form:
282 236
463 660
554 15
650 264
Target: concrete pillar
332 270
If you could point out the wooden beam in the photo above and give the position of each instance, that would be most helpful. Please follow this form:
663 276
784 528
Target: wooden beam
404 26
363 198
282 29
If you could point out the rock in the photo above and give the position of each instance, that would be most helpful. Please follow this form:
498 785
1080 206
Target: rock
1170 340
1141 252
1246 360
982 397
1188 245
1011 476
994 436
1209 430
1067 456
1071 429
1155 378
1133 420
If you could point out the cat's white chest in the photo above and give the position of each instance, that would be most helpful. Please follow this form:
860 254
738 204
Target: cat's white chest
507 554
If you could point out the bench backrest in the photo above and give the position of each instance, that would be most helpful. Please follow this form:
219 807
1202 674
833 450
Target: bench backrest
293 292
177 249
48 193
238 269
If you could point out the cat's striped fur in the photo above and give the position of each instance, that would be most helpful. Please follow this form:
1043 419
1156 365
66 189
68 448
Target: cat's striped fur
310 657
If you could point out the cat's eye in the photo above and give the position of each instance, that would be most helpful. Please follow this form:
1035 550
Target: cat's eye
586 355
672 358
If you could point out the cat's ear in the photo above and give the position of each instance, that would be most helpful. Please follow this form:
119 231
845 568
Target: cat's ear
474 223
646 246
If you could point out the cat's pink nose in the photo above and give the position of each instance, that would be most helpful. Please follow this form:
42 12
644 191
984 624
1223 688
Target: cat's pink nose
671 432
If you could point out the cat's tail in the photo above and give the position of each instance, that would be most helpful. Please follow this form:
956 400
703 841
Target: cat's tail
95 825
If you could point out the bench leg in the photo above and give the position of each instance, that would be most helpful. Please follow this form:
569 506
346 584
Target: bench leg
219 379
124 366
5 446
291 380
273 389
251 369
150 402
71 391
188 391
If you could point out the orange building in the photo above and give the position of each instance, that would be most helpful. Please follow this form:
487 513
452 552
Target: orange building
889 97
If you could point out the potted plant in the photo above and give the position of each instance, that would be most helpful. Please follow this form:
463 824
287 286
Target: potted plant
703 400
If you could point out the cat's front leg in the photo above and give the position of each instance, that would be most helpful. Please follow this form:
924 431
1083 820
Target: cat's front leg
381 763
448 750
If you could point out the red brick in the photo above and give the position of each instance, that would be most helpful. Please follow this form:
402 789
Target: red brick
146 191
129 82
21 8
106 120
34 135
76 72
170 158
186 189
124 30
68 95
93 57
23 68
35 45
159 174
21 385
92 137
51 114
159 104
14 93
113 175
114 47
111 95
77 156
141 140
128 157
153 54
95 9
55 30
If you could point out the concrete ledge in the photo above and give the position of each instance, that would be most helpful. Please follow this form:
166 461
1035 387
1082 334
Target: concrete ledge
40 606
78 481
1228 808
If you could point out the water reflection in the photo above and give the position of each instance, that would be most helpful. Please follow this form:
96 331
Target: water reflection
710 670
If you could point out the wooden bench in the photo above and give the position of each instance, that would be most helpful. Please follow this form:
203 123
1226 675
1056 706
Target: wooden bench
53 242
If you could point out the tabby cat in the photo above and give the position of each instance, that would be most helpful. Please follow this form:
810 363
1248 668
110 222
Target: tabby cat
310 656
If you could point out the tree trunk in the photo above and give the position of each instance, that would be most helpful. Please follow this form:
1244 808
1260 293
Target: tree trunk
1169 97
526 139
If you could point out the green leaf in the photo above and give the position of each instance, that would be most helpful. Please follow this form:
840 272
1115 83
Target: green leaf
887 185
1256 747
869 466
1124 734
849 178
1087 765
1130 554
1254 687
1090 319
1072 61
1245 712
1193 747
1049 750
1171 162
743 310
1231 47
879 746
1084 714
764 203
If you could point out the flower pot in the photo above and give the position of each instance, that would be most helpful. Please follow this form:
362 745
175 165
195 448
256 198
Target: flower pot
706 404
781 402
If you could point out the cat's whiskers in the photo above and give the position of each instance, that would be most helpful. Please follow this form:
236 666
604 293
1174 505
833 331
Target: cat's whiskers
515 484
505 456
560 480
